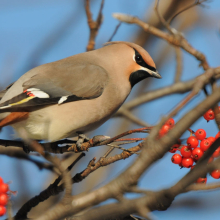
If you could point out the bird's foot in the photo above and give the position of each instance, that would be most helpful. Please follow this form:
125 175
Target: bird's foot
26 148
81 139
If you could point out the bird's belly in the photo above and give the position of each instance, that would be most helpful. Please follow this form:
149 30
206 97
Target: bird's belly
56 122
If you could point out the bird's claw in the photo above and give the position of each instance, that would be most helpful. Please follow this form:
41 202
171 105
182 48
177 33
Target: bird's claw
82 138
26 148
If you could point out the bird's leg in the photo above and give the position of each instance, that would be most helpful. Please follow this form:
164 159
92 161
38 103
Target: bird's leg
81 139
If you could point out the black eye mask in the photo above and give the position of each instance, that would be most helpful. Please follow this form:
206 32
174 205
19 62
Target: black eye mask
140 61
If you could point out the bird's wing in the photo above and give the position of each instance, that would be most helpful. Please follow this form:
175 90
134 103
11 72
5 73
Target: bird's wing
2 93
59 83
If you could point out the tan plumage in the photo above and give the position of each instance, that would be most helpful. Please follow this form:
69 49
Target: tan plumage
89 87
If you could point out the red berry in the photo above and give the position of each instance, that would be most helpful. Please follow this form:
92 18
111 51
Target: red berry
1 180
215 174
217 135
201 180
174 148
192 142
205 144
200 134
211 139
3 199
210 159
216 152
187 162
176 158
170 122
186 151
209 115
197 153
2 210
164 130
4 188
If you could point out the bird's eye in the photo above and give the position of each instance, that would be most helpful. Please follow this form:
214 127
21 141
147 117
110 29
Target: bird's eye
138 58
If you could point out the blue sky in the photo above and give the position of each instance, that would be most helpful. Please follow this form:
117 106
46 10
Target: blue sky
61 26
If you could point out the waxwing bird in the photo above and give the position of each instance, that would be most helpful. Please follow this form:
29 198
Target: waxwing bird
77 94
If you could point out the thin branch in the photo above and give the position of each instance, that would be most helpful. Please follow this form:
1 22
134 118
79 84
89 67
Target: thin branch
197 187
161 18
127 114
115 31
93 25
121 148
179 64
197 2
18 153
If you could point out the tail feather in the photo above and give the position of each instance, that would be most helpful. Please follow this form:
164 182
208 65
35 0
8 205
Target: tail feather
13 118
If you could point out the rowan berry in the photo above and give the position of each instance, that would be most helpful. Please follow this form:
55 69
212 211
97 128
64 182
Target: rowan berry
216 152
200 134
186 151
187 162
2 210
4 188
205 144
176 158
197 153
164 130
211 139
170 122
210 159
215 174
209 115
201 180
192 141
1 180
217 135
174 148
3 199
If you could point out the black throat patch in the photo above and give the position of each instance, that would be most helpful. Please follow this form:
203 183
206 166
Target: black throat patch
139 75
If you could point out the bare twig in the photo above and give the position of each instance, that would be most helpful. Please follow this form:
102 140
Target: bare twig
115 31
179 64
127 114
93 25
197 187
197 2
161 18
18 153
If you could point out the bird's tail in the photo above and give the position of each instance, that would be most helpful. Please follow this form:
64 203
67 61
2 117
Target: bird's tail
13 118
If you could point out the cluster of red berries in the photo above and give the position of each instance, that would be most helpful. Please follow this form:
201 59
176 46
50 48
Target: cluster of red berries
4 189
193 151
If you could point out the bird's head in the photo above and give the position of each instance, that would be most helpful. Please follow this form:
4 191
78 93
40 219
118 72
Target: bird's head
140 63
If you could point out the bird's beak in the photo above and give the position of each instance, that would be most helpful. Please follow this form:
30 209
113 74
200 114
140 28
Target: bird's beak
152 73
155 74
